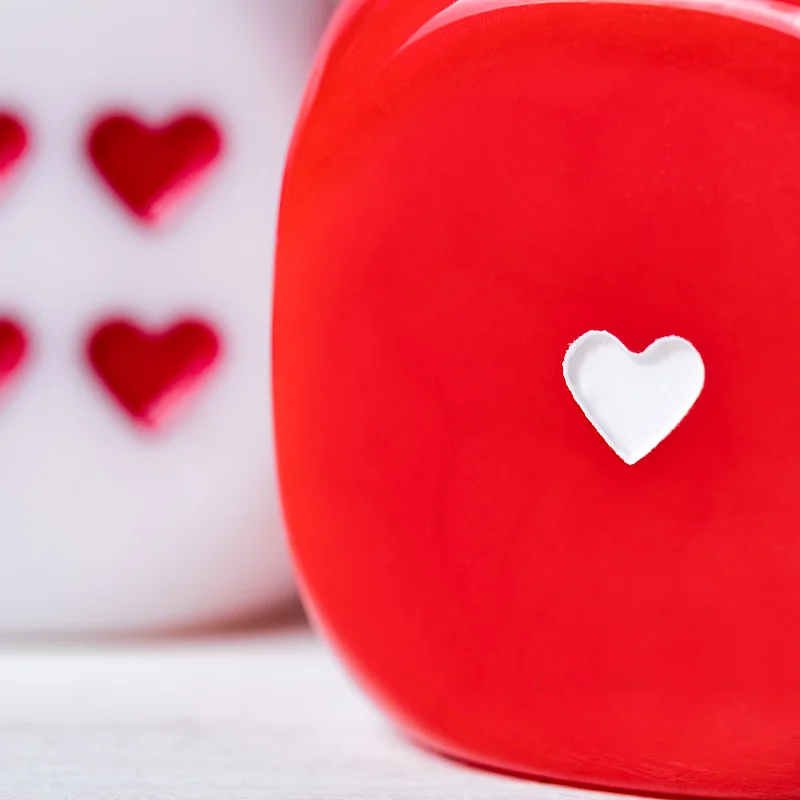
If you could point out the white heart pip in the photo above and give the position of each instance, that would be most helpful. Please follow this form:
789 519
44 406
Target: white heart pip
634 400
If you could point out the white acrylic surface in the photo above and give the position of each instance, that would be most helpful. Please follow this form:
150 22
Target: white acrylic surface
254 717
634 400
102 526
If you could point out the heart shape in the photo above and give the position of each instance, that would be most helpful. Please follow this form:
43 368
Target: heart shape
13 144
13 350
153 375
634 400
151 168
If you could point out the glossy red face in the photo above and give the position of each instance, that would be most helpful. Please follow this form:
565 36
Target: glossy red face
468 194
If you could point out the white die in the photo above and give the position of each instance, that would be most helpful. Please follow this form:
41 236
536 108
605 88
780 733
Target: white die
116 517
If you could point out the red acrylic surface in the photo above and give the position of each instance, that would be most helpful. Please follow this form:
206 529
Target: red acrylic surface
151 168
458 209
153 375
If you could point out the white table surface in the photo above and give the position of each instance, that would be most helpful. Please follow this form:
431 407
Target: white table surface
247 716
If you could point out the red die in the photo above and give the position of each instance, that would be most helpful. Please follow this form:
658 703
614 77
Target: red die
474 185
